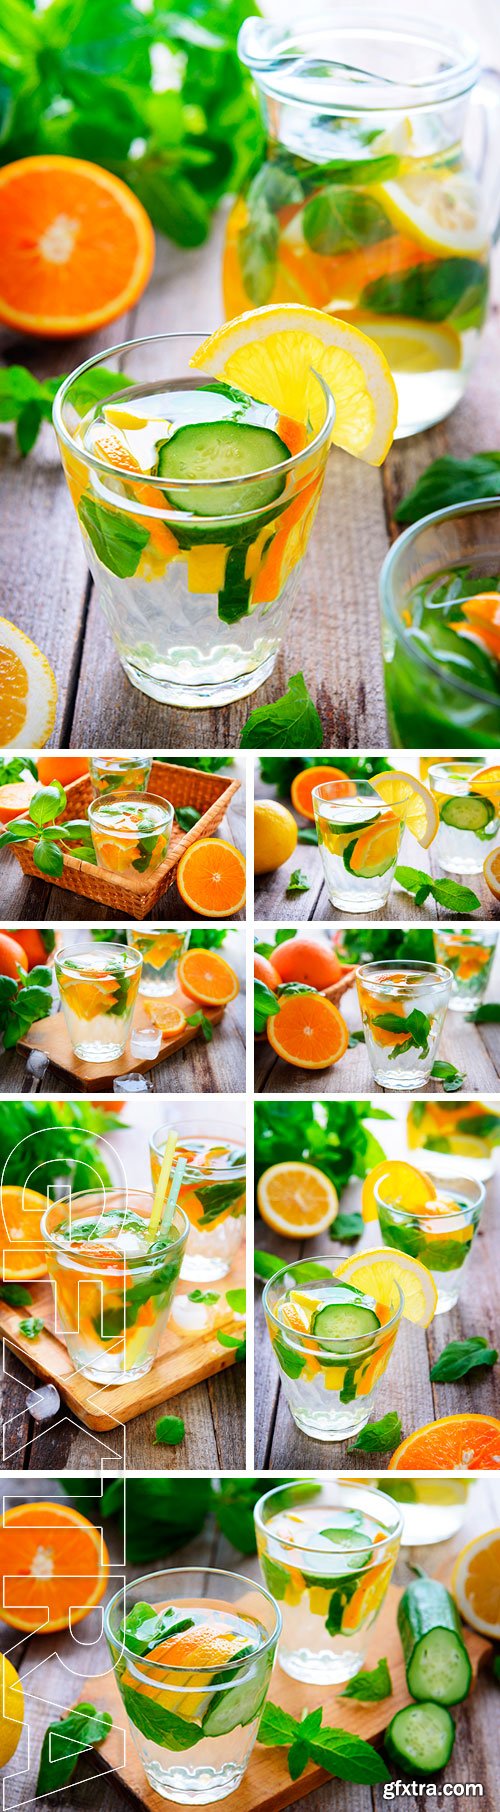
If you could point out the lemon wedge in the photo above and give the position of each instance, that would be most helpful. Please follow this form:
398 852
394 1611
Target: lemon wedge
399 1183
274 353
410 800
376 1273
441 210
28 690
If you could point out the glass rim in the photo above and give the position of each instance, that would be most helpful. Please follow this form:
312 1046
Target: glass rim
123 799
341 1483
459 776
444 1186
198 485
73 952
261 46
389 602
200 1573
470 935
436 972
324 788
137 1260
222 1165
358 1343
114 761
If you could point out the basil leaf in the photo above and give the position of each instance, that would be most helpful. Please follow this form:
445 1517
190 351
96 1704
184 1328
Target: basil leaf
298 882
265 1006
448 289
79 1729
341 220
169 1431
292 722
461 1357
186 816
45 804
48 858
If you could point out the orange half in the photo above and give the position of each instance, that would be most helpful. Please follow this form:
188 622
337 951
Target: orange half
205 976
308 1032
211 878
54 1566
22 1253
78 247
463 1443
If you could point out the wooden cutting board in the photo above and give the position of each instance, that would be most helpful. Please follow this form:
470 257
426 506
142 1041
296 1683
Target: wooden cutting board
266 1786
183 1359
51 1036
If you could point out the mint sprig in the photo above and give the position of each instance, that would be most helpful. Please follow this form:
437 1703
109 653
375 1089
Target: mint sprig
449 894
80 1729
450 1077
381 1437
461 1357
370 1685
291 722
339 1752
298 882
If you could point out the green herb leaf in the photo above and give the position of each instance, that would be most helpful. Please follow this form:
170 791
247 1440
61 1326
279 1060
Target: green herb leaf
46 804
339 1752
449 894
289 1360
157 1723
48 858
207 1296
381 1437
461 1357
16 1294
449 482
291 722
446 1073
489 1014
117 538
80 1729
237 1300
417 1027
169 1431
265 1005
308 834
341 220
298 882
200 1019
31 1328
26 402
186 816
347 1227
454 289
370 1685
265 1264
233 1340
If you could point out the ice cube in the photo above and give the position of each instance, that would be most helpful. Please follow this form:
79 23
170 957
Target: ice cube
131 1085
146 1042
37 1065
43 1402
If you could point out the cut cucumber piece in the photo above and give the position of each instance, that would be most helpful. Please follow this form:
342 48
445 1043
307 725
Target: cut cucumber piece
420 1738
222 450
349 1539
436 1659
468 812
344 1321
241 1703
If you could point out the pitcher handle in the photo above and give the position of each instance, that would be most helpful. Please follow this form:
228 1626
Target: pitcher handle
487 98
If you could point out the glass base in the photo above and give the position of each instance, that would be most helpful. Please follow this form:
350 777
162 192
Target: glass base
157 990
108 1380
98 1053
397 1084
446 1300
323 1426
320 1668
467 865
194 698
198 1268
356 902
465 1006
194 1787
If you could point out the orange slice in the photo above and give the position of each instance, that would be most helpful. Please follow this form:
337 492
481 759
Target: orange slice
78 247
475 1583
206 977
297 1199
462 1443
491 872
374 850
21 1246
164 1014
211 878
303 783
406 1187
308 1032
54 1566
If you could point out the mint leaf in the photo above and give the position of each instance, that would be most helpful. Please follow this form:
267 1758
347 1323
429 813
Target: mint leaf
453 289
26 402
277 1728
461 1357
186 816
380 1437
117 538
265 1264
290 1361
157 1723
308 834
78 1730
348 1757
370 1684
446 1073
449 894
265 1005
417 1027
298 1758
169 1431
346 1226
451 481
200 1019
31 1328
237 1300
292 722
298 882
233 1340
16 1294
489 1014
208 1296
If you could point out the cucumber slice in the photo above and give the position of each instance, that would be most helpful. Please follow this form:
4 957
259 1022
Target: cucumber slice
344 1321
468 812
349 1540
420 1738
239 1704
222 450
436 1659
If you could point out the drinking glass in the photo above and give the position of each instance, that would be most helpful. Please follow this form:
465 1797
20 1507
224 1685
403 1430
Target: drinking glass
403 1007
98 988
440 1234
359 838
453 1131
213 1193
160 951
469 954
131 833
327 1553
113 1291
119 773
441 647
330 1384
469 816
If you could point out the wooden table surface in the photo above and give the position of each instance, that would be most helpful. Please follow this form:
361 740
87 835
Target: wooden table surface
474 1049
33 901
406 1385
273 902
475 1754
200 1068
334 635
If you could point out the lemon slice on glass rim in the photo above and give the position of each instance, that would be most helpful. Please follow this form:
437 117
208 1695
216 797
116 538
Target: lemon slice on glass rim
277 353
410 800
377 1271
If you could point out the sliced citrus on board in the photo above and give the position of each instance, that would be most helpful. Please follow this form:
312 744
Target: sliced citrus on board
297 1199
164 1014
308 1032
211 878
491 872
399 1183
274 354
475 1583
206 976
376 1273
440 211
463 1443
274 836
78 246
22 1254
28 690
410 800
302 787
53 1565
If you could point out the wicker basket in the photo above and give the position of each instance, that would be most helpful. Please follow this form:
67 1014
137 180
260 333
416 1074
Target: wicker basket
208 793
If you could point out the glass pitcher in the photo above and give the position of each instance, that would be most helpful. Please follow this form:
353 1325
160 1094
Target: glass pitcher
368 204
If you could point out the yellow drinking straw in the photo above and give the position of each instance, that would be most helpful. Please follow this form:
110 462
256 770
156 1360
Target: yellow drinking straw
162 1186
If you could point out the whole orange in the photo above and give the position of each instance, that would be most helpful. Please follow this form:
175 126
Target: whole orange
306 959
266 972
61 767
11 955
